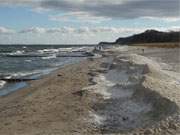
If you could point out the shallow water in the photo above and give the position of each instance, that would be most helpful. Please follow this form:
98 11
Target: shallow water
32 61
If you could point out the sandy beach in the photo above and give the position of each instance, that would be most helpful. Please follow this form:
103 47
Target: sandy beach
120 93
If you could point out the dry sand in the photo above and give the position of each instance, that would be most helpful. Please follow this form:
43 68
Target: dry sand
120 93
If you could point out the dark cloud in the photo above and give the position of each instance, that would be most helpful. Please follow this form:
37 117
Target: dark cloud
129 9
108 8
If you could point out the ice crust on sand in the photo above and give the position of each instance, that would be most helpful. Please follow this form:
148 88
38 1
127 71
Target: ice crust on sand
131 97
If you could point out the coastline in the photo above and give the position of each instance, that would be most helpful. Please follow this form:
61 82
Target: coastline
48 105
66 101
15 84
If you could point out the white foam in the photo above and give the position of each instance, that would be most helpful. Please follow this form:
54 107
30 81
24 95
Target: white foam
35 72
80 49
2 83
18 52
66 49
21 74
49 57
48 51
28 60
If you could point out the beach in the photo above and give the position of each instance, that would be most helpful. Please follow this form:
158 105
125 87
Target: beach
123 92
48 106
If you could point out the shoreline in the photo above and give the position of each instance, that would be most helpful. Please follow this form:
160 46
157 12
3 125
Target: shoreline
84 98
22 111
14 85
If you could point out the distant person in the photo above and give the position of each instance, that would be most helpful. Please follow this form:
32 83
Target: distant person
142 50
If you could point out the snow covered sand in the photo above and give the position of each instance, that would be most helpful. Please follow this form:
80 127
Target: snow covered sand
137 96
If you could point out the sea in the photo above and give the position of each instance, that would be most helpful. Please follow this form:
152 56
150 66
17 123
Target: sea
34 61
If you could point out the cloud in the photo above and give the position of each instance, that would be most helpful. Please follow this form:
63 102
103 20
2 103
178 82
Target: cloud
127 9
40 10
115 9
80 31
174 28
20 2
70 35
80 17
33 30
84 30
4 30
167 19
41 30
91 30
110 30
63 30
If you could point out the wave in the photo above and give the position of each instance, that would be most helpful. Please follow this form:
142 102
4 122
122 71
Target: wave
9 52
19 74
25 55
75 49
18 52
49 57
68 49
19 79
2 83
58 50
28 74
28 60
48 51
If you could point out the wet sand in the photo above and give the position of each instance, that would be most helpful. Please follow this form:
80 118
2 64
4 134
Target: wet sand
51 105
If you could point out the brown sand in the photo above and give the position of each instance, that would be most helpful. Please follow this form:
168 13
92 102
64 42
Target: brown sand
50 106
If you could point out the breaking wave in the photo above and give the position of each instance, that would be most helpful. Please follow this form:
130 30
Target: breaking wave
2 83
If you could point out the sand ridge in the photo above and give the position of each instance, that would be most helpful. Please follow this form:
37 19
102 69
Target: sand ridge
136 94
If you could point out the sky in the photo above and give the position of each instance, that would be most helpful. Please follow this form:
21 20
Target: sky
83 21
